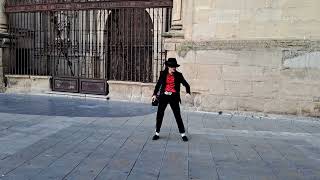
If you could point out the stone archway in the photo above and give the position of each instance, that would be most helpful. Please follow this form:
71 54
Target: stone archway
129 42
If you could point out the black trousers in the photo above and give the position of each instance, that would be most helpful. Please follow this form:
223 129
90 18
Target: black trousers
173 100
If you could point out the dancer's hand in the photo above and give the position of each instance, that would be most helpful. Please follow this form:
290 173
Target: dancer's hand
188 95
154 97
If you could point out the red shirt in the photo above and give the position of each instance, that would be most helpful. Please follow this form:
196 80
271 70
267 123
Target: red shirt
170 83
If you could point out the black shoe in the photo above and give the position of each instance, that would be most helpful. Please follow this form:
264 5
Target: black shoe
185 138
155 137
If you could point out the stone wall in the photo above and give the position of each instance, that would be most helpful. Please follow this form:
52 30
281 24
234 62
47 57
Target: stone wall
250 55
270 76
252 19
28 84
131 91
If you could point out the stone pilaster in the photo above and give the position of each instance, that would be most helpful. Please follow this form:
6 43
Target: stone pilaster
176 33
3 29
177 15
3 18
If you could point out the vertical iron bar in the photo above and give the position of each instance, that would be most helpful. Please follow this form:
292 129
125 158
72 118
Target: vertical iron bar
103 49
28 40
32 61
131 42
85 46
18 28
72 39
157 41
118 20
15 44
78 43
135 44
60 46
43 67
117 57
122 30
162 28
143 47
89 44
99 40
153 46
145 37
82 43
53 30
97 59
49 48
45 42
109 43
12 34
112 49
139 45
23 39
148 64
21 52
37 37
65 44
40 45
8 63
105 40
126 27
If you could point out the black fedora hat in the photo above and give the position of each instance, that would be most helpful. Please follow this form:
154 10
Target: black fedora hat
172 62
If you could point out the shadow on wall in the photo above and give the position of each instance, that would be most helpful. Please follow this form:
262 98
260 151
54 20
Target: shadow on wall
59 106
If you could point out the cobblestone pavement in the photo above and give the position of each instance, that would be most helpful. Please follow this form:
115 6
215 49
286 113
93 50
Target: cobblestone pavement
44 137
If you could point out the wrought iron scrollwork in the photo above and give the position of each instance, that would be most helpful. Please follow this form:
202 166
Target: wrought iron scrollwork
62 28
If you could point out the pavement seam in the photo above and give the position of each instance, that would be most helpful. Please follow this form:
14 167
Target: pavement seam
76 131
114 154
165 150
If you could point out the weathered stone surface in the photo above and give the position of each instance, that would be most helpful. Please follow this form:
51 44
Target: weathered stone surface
205 103
147 92
27 84
266 89
216 57
253 44
238 88
251 104
279 106
260 19
216 87
229 103
3 18
260 57
120 90
132 91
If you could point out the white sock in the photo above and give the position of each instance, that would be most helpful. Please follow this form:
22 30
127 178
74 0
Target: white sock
157 134
183 134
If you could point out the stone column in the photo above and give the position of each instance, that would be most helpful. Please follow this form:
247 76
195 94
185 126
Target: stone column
3 18
176 33
3 29
177 15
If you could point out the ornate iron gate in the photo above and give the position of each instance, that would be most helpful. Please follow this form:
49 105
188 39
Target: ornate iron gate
82 44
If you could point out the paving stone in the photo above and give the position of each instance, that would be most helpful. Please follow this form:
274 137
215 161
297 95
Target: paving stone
82 139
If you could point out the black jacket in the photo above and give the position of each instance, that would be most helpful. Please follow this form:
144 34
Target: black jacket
178 79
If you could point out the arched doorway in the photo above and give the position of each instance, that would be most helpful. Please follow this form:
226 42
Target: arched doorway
129 40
